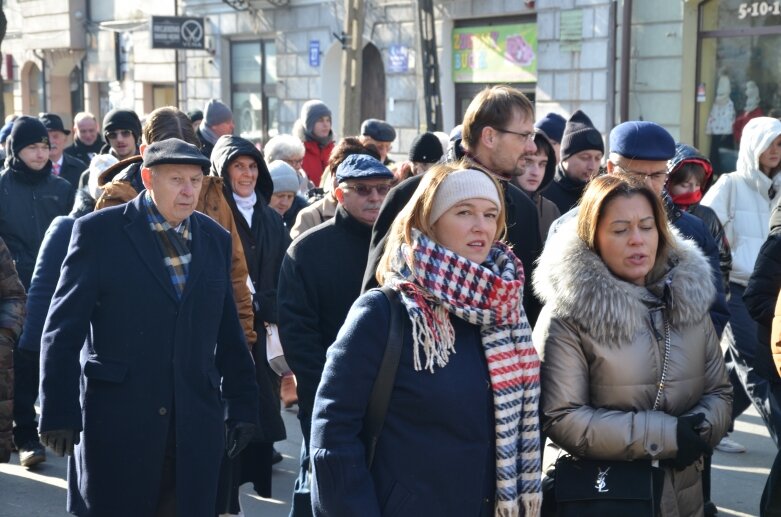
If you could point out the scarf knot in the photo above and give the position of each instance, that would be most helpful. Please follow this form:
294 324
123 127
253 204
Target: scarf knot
434 283
174 243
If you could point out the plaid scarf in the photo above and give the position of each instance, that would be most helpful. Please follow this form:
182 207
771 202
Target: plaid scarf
174 244
434 281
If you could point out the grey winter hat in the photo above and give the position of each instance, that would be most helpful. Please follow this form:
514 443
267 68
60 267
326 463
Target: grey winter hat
284 177
378 130
215 112
311 112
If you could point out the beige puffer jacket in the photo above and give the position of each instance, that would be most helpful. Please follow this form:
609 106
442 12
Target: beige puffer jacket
602 349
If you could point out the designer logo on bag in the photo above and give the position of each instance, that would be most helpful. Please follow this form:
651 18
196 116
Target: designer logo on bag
601 484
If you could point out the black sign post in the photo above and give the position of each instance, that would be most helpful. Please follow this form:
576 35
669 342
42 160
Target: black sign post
177 32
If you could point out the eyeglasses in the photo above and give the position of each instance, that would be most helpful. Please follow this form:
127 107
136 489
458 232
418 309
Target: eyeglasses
528 136
654 177
296 164
366 190
124 133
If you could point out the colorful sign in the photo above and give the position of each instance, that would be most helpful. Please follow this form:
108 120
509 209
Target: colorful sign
398 59
495 54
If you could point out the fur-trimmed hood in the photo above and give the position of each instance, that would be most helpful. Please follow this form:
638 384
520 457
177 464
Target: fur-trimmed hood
578 286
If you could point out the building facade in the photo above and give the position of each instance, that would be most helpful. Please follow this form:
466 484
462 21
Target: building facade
687 61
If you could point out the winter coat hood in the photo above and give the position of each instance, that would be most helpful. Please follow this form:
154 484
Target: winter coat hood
229 147
550 172
578 286
687 154
758 134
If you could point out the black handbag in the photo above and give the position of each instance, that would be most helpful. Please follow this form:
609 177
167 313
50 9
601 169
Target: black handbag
607 488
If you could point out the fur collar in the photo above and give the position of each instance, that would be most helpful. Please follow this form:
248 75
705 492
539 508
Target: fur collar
578 286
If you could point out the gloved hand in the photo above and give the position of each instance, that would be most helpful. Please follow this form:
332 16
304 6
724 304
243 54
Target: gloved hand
239 436
61 441
690 445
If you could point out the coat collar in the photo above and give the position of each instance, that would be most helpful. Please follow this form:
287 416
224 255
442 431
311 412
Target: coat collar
577 285
141 235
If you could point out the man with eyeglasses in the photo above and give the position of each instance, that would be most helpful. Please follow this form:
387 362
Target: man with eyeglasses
122 130
581 151
320 279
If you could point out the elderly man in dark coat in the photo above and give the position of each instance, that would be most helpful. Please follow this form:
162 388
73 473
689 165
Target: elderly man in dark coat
165 366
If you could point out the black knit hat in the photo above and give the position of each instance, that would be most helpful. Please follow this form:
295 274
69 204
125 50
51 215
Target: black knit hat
27 131
426 148
122 119
580 135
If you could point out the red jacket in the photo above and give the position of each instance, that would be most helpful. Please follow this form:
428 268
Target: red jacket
315 159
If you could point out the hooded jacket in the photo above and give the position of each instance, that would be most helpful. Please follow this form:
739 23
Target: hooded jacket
762 301
546 209
687 154
316 155
122 182
29 201
602 347
744 199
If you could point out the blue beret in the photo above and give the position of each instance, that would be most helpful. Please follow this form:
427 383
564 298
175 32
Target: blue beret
174 151
378 129
642 140
552 125
361 167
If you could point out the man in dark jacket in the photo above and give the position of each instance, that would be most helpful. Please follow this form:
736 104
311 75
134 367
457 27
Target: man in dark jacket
581 150
86 137
64 165
160 386
12 299
217 121
497 135
30 197
321 278
122 130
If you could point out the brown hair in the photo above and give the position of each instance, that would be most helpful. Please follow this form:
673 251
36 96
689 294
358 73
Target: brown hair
415 214
169 122
344 148
604 189
686 171
493 107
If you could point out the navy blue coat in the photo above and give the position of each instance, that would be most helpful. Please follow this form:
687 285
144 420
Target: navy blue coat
435 455
151 361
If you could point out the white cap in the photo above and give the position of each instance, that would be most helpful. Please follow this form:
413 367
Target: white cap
459 186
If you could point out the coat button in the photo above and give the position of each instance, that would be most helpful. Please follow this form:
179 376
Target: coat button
654 446
163 411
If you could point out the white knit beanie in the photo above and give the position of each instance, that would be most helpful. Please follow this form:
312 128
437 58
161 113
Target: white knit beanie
284 176
462 185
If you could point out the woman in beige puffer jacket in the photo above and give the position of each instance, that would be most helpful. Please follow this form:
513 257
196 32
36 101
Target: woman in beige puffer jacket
601 341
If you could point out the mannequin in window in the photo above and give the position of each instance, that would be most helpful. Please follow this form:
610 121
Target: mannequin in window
720 121
751 110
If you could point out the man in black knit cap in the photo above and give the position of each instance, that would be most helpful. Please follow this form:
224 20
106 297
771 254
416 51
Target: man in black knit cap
122 130
582 150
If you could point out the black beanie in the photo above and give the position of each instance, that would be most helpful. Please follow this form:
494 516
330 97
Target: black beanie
580 135
122 119
27 131
426 148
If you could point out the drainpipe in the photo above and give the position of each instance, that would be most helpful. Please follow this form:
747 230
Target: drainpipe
611 69
44 100
626 59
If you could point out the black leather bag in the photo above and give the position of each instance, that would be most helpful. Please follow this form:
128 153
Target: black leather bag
595 488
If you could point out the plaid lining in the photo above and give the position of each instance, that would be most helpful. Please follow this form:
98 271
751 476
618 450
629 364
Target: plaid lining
174 244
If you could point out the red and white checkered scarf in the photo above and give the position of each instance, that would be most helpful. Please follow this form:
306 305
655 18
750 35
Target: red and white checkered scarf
434 282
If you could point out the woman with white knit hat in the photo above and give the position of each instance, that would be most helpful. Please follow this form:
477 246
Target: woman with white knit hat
468 376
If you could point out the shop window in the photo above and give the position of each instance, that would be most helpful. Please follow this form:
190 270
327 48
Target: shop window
739 73
253 89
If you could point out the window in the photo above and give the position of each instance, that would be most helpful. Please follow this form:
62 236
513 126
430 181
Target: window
253 89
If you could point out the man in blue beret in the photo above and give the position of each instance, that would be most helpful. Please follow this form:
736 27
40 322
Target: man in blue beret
381 135
167 381
320 279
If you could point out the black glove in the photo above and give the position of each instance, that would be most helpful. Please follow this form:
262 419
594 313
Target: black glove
61 441
690 445
239 436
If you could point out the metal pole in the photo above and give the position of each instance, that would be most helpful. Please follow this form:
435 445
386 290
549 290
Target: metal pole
177 96
626 59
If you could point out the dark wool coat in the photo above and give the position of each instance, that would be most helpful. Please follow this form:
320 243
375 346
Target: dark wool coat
564 191
72 169
83 152
152 361
320 280
12 300
523 234
435 455
28 203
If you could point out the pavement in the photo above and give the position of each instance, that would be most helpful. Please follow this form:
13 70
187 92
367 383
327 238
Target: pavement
738 479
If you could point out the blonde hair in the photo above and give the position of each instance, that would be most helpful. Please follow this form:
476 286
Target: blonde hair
416 212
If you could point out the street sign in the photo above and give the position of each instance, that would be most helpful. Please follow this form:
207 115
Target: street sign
314 53
184 32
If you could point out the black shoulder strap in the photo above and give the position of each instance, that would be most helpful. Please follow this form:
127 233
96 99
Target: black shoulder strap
383 384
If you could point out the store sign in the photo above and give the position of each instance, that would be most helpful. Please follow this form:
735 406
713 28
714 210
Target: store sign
757 9
495 54
182 32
